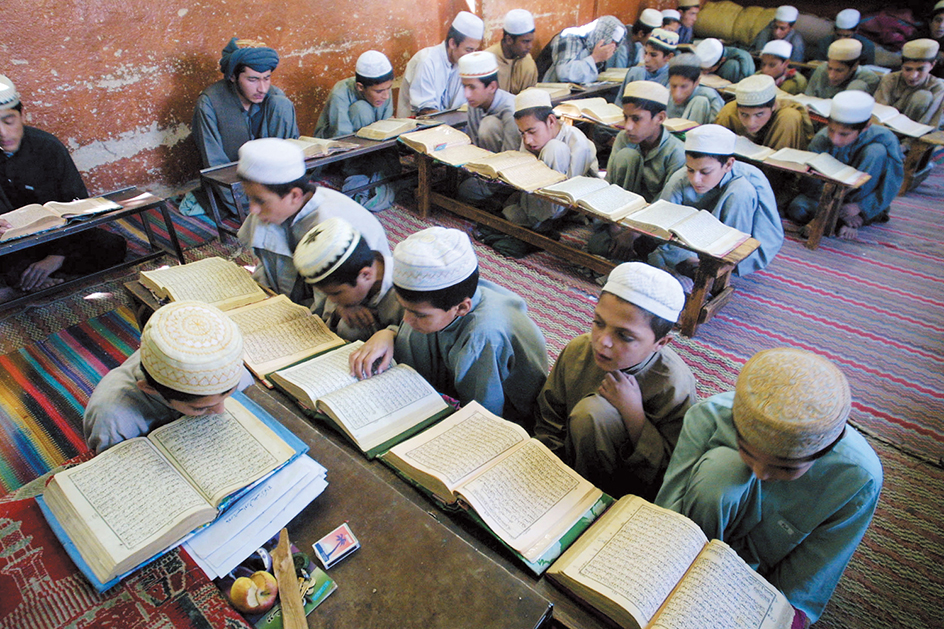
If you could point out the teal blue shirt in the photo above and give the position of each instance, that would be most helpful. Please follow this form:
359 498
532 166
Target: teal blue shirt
336 118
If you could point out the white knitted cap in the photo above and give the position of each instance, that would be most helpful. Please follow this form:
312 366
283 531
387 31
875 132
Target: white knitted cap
469 25
519 22
922 49
324 248
432 259
847 19
755 90
270 161
9 97
651 18
711 139
647 90
477 64
647 287
709 51
778 48
532 97
786 13
845 50
372 64
192 347
851 107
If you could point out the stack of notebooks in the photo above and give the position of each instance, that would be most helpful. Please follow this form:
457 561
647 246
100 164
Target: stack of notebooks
141 497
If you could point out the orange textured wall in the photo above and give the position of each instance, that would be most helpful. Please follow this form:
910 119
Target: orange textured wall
117 81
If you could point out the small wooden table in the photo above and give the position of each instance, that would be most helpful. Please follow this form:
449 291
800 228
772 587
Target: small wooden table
918 154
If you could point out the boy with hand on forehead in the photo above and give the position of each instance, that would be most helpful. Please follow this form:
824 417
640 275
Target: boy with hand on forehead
355 280
356 102
190 361
775 63
913 90
761 118
738 195
773 470
660 48
632 51
841 71
851 138
579 53
782 28
470 338
283 206
516 68
431 79
690 100
613 404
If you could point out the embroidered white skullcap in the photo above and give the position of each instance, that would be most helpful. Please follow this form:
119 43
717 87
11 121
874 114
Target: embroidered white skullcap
432 259
845 50
920 49
373 64
647 287
851 107
778 48
270 161
532 97
9 97
671 14
790 403
709 51
786 13
324 248
711 139
664 40
755 90
469 25
477 64
688 4
651 18
847 19
647 90
519 22
192 347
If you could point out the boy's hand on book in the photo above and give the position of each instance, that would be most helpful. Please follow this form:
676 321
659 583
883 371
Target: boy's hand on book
357 316
374 356
622 391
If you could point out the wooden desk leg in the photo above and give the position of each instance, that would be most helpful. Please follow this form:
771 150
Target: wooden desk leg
827 213
172 233
704 279
240 210
424 171
214 208
913 158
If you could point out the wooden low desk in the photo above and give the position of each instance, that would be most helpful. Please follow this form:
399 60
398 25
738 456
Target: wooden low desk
711 290
918 154
130 208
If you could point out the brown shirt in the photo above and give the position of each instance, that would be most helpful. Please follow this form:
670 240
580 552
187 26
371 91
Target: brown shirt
789 126
514 75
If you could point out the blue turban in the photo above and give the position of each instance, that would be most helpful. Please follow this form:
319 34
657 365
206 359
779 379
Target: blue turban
259 59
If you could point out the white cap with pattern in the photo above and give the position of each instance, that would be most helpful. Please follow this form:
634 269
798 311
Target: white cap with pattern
848 19
710 51
9 97
647 287
651 18
778 48
518 22
373 64
271 161
711 139
433 259
532 97
476 65
755 90
786 13
851 107
324 248
469 25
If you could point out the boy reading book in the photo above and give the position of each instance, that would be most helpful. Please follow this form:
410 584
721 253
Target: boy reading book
491 123
775 63
841 71
190 361
761 118
660 48
845 27
283 206
773 470
516 68
690 100
356 102
613 404
35 167
726 62
738 194
851 138
913 90
781 28
356 280
470 339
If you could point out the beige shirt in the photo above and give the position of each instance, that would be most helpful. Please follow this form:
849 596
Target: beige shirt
789 126
514 75
894 91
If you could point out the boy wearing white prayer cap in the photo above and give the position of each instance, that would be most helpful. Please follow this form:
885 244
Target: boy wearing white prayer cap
579 53
688 11
842 71
851 138
613 404
781 27
632 51
355 280
935 31
775 63
671 20
431 79
913 90
356 102
189 362
773 470
738 195
491 109
845 27
728 62
758 115
562 147
283 206
660 48
516 68
688 99
470 338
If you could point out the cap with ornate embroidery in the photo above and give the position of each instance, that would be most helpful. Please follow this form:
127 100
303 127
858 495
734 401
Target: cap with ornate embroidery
790 403
372 64
647 287
920 50
324 248
519 22
192 347
651 18
531 98
851 107
778 48
786 13
433 259
848 19
271 161
710 139
845 50
755 90
9 97
710 51
647 90
469 25
476 65
664 40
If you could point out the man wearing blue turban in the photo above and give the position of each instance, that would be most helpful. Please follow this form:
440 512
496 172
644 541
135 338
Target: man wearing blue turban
243 106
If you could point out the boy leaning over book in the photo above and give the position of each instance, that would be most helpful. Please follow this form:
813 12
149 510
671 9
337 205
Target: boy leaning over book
613 405
690 100
471 339
283 206
190 361
643 157
851 138
775 63
356 102
913 90
738 194
773 470
356 281
761 118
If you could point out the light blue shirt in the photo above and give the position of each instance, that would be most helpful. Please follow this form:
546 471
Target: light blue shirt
335 119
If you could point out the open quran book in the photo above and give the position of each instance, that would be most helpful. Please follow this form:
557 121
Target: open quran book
516 168
214 281
679 125
714 81
35 218
823 163
699 229
751 150
816 105
556 90
523 493
597 108
435 139
386 129
897 121
145 494
320 147
613 75
374 413
643 566
596 195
